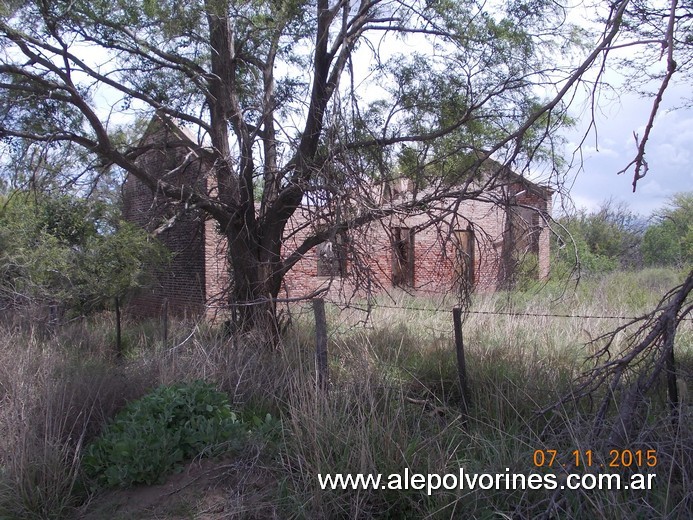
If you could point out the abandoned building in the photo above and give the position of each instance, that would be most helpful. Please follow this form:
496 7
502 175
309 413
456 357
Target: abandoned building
478 247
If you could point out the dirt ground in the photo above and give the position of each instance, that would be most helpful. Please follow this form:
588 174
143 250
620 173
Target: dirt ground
202 490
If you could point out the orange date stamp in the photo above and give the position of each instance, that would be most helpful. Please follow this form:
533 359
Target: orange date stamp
621 458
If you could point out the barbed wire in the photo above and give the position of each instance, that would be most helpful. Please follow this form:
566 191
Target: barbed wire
372 306
496 313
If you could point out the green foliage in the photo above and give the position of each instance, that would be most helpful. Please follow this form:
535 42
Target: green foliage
602 241
71 252
155 434
614 237
526 272
70 220
669 241
589 261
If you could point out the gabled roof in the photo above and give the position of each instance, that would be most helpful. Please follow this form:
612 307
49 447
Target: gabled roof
160 123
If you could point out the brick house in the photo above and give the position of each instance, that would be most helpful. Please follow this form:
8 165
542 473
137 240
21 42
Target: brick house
478 246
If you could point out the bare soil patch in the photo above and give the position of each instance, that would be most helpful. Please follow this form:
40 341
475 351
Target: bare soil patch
202 490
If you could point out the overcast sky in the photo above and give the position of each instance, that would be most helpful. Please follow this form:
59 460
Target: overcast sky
669 153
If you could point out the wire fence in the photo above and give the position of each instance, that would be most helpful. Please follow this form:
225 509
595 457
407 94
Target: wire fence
486 312
373 306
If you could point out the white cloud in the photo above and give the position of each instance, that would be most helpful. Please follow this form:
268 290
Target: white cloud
669 154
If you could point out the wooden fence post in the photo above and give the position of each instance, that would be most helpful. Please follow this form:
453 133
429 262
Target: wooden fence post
672 387
321 368
461 365
165 324
119 339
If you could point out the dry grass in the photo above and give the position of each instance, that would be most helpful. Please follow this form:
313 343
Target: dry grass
394 403
54 398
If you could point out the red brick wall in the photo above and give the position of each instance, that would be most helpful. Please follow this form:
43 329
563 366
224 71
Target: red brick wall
533 224
181 283
435 259
216 272
435 252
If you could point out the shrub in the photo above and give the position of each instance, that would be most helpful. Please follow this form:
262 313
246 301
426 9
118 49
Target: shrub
669 239
153 435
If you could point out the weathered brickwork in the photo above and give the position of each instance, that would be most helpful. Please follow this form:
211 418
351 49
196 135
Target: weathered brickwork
180 285
216 271
480 247
436 265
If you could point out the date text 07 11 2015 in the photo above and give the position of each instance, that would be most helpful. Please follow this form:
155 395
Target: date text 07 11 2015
587 459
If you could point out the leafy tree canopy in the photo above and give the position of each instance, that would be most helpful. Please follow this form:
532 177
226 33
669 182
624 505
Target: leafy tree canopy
668 241
63 250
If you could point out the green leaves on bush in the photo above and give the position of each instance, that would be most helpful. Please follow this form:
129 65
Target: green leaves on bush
669 240
153 435
75 253
603 240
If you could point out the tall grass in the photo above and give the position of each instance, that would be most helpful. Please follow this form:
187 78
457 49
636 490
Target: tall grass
394 404
54 397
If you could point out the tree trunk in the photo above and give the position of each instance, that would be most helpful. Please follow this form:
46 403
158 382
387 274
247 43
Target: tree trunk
253 293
